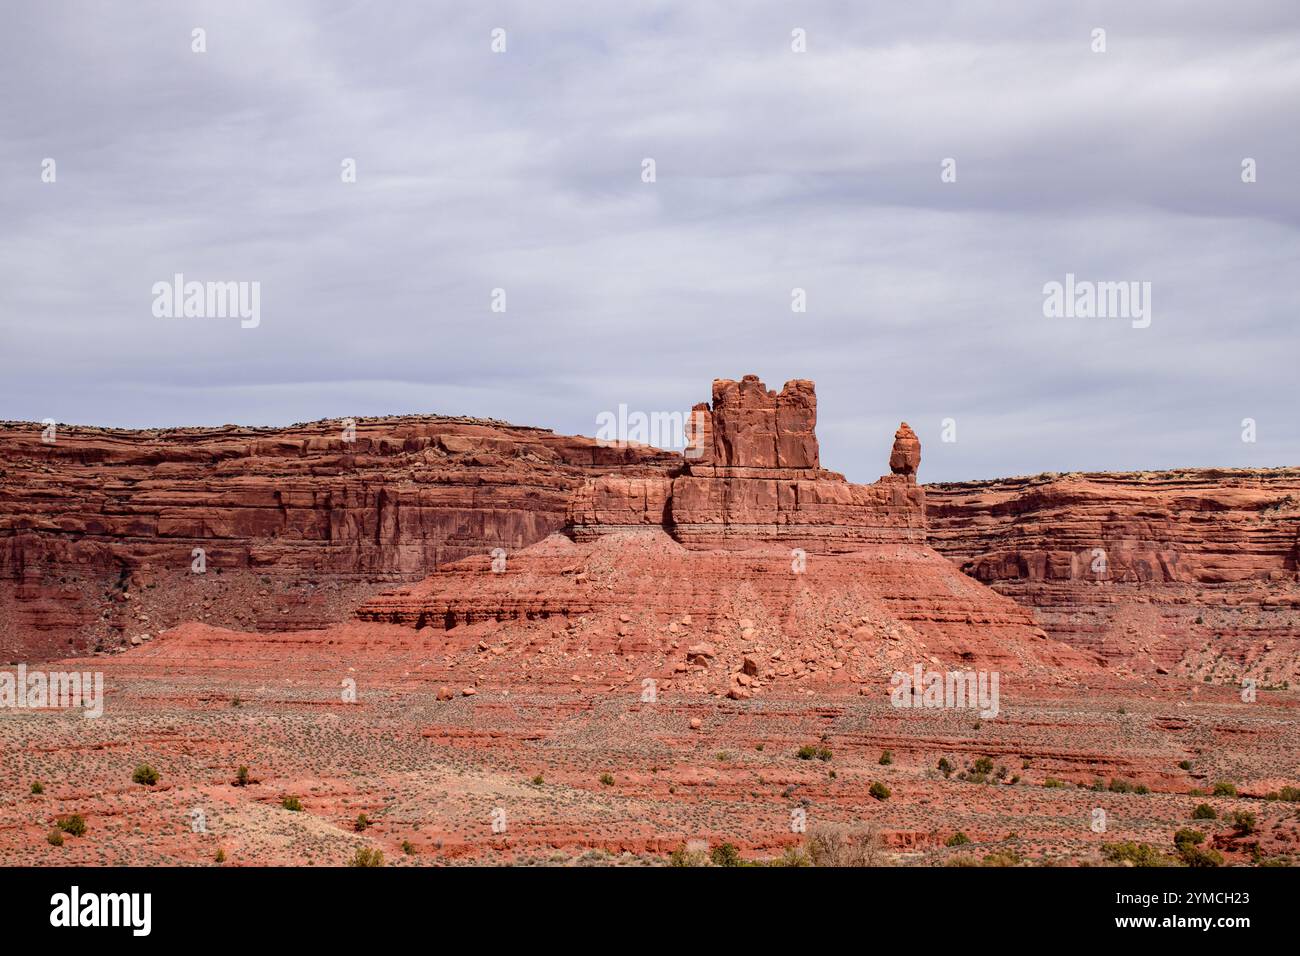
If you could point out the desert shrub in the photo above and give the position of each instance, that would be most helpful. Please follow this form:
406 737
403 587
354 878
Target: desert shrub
1133 854
72 823
241 777
1204 811
367 856
408 848
809 751
1188 835
684 857
361 824
145 774
886 758
1193 855
1052 783
292 803
1002 858
1290 794
945 766
983 765
961 859
38 788
957 839
607 779
844 846
1142 789
725 854
54 838
1244 822
1225 788
538 780
1184 765
793 856
879 791
220 857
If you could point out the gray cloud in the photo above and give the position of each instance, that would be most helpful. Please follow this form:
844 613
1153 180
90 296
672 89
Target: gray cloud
775 170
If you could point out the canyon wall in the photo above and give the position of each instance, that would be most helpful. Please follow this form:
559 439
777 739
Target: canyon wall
1192 572
98 528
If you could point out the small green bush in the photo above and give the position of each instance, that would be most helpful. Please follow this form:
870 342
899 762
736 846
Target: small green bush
361 824
292 803
54 838
607 779
1204 811
367 856
1244 822
72 823
241 777
725 855
1133 854
879 791
145 774
1052 783
1225 788
683 857
538 780
220 857
38 788
886 758
1197 856
945 766
809 751
957 839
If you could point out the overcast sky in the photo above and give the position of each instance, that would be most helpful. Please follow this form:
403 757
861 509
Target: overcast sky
522 170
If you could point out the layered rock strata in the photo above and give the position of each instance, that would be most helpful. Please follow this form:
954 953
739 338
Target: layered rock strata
99 527
1192 572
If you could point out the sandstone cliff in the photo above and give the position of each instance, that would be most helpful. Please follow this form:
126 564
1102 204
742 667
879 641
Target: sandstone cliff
98 529
1193 572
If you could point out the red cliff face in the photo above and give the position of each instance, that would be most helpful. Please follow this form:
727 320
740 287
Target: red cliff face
1192 572
98 529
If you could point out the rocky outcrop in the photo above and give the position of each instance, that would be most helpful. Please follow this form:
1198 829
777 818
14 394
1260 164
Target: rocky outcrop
1191 572
99 528
787 572
905 458
757 479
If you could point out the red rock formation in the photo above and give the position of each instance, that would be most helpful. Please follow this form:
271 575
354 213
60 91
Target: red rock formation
761 549
296 523
760 481
905 458
1191 572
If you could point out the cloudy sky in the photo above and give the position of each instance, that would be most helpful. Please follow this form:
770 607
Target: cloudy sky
775 170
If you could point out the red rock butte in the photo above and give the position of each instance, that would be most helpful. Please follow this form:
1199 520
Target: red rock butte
791 571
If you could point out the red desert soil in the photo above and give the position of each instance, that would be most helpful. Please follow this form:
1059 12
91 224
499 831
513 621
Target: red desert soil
642 678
